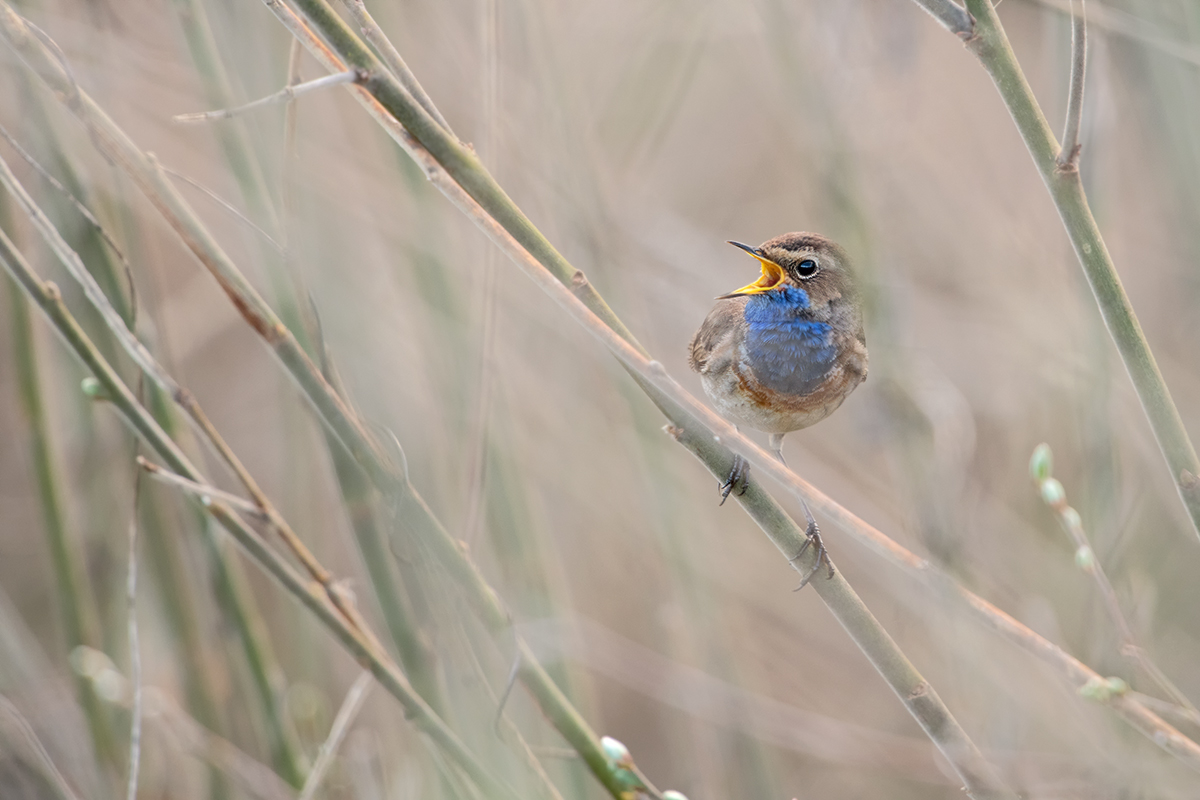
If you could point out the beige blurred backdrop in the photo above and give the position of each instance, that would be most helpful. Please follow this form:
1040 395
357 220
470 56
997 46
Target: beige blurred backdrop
639 136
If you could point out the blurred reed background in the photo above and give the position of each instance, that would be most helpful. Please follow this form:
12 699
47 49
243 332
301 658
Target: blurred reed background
639 137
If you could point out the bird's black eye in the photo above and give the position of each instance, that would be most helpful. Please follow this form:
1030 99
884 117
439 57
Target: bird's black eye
807 268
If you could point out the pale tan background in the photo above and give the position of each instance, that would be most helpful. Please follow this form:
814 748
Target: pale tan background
639 137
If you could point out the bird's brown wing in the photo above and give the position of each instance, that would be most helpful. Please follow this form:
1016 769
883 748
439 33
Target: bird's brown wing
712 346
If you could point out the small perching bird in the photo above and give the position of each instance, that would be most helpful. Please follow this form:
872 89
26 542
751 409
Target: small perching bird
782 353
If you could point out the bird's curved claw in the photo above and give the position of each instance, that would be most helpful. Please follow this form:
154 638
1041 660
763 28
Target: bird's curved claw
739 478
813 534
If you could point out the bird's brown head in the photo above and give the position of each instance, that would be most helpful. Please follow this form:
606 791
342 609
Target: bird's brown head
808 261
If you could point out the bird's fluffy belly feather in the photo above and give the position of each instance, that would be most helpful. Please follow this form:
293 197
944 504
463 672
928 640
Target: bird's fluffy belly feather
742 398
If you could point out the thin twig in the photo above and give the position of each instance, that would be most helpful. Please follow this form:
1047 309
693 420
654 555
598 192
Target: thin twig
228 206
191 736
479 440
287 192
58 783
1053 494
284 95
91 289
502 724
337 732
239 154
204 493
1167 709
135 655
83 210
1068 155
387 52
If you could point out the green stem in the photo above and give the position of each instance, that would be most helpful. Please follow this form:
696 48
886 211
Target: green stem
361 646
90 244
75 599
384 475
361 501
990 44
175 587
229 582
265 674
459 160
243 162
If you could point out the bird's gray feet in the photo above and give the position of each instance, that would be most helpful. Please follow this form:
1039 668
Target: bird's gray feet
739 477
813 534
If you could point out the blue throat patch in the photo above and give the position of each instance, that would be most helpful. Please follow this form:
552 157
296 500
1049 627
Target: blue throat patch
788 353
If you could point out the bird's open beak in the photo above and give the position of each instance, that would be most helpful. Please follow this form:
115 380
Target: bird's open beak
772 274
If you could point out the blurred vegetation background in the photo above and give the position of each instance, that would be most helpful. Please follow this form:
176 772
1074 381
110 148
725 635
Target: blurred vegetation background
639 137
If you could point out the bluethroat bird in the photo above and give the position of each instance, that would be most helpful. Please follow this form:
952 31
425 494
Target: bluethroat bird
783 352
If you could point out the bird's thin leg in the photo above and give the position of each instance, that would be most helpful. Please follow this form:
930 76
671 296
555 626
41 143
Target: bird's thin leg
813 537
776 442
739 476
812 532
